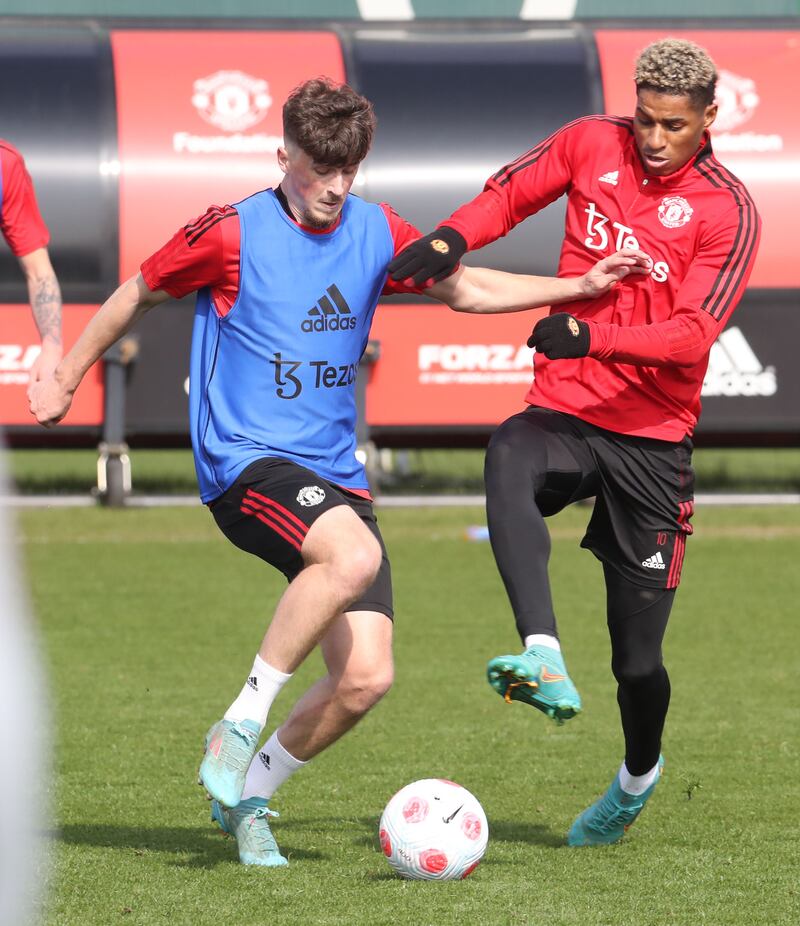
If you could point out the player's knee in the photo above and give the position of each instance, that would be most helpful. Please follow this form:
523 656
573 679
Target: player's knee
359 564
638 673
512 455
500 452
360 691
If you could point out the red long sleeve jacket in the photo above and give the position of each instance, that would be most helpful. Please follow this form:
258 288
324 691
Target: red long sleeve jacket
650 336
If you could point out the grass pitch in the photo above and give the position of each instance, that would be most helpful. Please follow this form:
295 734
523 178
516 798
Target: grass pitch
149 620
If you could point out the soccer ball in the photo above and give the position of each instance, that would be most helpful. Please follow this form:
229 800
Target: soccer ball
433 829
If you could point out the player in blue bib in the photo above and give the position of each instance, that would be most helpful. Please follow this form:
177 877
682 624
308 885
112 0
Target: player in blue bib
288 281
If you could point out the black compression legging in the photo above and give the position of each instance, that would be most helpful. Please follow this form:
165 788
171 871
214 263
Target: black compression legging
637 619
531 472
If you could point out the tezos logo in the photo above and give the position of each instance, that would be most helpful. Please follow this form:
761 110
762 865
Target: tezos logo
310 496
602 234
231 100
674 211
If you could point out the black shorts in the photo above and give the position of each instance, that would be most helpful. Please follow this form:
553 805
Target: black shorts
271 506
643 491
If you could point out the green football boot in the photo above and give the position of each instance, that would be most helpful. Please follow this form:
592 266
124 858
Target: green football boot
248 823
537 677
610 817
229 749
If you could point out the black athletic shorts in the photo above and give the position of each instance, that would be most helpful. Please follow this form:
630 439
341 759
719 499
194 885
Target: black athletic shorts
643 489
271 506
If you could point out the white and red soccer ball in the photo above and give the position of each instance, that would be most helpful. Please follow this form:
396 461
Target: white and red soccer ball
434 830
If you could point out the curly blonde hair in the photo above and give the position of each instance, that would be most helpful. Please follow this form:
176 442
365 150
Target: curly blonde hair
679 67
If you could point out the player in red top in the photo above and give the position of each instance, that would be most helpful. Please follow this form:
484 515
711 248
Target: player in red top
616 392
27 236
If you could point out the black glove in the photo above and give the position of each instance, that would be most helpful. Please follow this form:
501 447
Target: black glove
433 257
560 337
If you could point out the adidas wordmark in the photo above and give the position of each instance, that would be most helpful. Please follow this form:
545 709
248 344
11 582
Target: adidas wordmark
656 561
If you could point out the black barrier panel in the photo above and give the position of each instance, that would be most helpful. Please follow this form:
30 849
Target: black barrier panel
455 105
752 385
157 397
57 106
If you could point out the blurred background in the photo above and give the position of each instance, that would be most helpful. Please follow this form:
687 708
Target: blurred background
133 117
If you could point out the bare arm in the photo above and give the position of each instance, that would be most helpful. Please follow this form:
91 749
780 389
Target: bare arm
44 296
483 291
50 400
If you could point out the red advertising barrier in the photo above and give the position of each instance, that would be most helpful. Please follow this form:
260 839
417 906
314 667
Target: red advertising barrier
755 133
439 367
18 353
199 121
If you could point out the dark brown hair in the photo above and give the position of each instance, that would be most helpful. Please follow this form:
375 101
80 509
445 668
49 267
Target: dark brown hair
330 122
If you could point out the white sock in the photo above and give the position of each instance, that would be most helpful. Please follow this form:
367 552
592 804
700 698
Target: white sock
542 639
260 690
271 766
636 784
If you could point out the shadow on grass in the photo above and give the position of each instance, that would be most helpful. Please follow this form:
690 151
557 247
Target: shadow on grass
204 848
515 831
527 833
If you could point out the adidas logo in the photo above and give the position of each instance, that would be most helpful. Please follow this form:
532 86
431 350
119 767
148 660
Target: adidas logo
656 561
264 760
733 369
612 177
253 682
331 313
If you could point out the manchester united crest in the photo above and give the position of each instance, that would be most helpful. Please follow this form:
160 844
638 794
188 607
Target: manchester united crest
674 211
311 495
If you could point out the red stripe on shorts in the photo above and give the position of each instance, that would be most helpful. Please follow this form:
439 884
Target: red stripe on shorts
272 524
685 510
276 513
290 516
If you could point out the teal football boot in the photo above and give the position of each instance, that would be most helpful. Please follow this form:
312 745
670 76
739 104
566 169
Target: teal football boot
610 817
537 677
230 747
248 823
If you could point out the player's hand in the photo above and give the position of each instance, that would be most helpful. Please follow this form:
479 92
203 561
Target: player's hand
610 270
45 364
430 259
560 337
49 401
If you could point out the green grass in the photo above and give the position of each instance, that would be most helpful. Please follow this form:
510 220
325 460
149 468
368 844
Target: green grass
46 471
149 620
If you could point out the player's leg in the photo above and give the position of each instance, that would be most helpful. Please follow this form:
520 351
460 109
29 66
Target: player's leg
330 557
536 464
638 530
357 649
358 655
637 620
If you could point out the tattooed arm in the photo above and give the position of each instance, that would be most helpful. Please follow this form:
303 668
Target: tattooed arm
45 299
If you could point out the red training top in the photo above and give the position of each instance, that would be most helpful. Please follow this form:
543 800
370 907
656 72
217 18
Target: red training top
650 336
20 220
